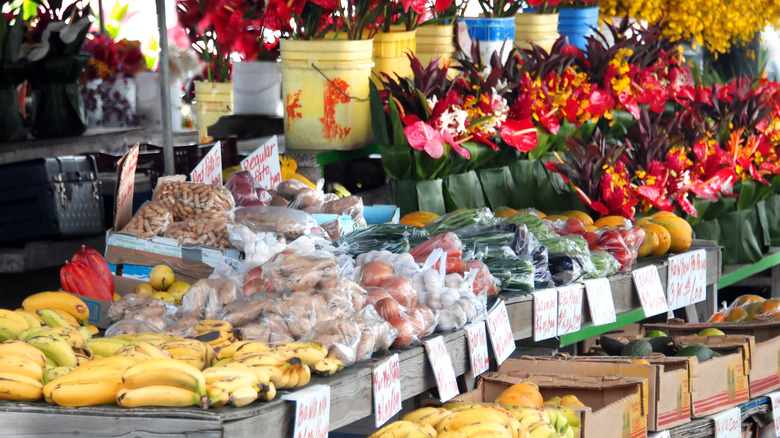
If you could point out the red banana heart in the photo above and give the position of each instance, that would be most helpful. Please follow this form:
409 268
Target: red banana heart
97 263
86 282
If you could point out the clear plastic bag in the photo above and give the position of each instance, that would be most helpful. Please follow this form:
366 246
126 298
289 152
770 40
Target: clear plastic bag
351 206
270 331
289 188
244 311
129 326
376 333
300 313
246 191
151 220
208 233
187 200
622 243
132 303
202 300
340 337
296 272
604 265
448 242
286 222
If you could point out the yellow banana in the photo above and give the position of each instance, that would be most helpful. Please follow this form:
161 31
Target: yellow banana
189 352
304 375
33 320
131 351
243 396
395 429
530 419
107 346
216 373
72 336
60 301
269 393
266 358
485 427
21 365
6 334
152 351
309 355
236 381
423 430
429 414
327 366
208 325
84 393
14 321
53 319
160 395
452 434
246 346
22 349
155 339
193 362
216 338
217 396
57 372
542 429
19 387
170 372
55 348
263 373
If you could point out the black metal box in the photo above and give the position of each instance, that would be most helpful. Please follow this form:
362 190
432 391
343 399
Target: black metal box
50 197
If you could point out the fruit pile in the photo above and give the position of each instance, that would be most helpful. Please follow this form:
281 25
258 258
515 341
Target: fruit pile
48 354
657 342
87 274
163 285
748 308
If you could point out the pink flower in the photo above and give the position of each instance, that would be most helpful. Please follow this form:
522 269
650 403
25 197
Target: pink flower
424 137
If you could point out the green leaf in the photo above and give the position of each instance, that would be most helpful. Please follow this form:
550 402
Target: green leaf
463 191
30 8
430 196
427 167
13 42
701 206
396 123
4 37
481 154
423 103
748 195
378 118
714 211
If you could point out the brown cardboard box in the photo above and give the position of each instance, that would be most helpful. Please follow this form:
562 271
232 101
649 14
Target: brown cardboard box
667 387
762 331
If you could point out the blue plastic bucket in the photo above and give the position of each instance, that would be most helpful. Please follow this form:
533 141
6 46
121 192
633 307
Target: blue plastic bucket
576 24
493 34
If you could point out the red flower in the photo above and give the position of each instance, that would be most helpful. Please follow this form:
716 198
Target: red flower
423 137
520 134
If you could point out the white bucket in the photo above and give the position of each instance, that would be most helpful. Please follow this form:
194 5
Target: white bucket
257 88
148 105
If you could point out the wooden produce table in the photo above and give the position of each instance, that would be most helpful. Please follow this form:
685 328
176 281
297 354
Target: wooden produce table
351 389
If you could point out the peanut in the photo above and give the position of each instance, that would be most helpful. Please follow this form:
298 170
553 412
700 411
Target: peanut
149 221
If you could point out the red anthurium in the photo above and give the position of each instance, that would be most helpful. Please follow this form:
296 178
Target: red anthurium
442 5
600 103
629 103
424 137
721 183
463 152
656 196
520 134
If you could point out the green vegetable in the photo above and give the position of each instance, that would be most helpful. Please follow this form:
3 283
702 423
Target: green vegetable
703 353
459 219
537 227
637 347
604 264
395 238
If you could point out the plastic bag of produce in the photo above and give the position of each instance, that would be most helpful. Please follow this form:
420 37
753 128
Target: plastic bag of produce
604 265
246 191
151 220
622 243
286 222
539 228
376 333
295 272
202 301
351 206
244 310
308 199
450 318
396 238
270 331
513 274
340 337
567 268
460 219
188 200
129 326
403 264
130 304
448 242
299 312
208 233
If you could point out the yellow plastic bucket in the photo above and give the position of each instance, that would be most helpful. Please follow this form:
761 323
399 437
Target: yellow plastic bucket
540 29
325 94
434 41
212 101
389 53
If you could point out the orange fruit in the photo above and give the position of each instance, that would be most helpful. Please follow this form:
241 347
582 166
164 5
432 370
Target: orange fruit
771 305
664 215
680 232
556 217
664 238
753 308
418 217
640 361
515 399
581 215
718 317
612 222
737 314
531 211
504 212
649 245
642 221
746 299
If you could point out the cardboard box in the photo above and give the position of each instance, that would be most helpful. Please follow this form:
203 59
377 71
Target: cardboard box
666 393
613 403
191 261
761 331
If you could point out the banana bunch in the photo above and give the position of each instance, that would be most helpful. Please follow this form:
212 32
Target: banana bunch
154 338
406 429
215 333
94 383
313 355
190 351
162 382
62 303
242 384
241 348
107 347
561 419
21 371
284 369
142 350
57 349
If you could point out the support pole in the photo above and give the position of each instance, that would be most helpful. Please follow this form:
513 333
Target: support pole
165 93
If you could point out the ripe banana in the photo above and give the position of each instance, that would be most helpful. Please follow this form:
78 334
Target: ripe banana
327 366
265 374
106 346
452 434
168 372
83 393
131 351
155 339
310 355
266 358
57 372
73 337
13 321
216 338
160 395
430 415
208 325
400 428
269 393
424 430
21 365
243 396
304 375
32 320
19 387
246 347
6 334
53 319
61 301
235 382
485 427
23 349
542 429
55 348
183 352
217 373
152 351
193 362
217 396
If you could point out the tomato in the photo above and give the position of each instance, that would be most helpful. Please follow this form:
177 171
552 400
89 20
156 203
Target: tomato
628 236
612 239
592 238
574 226
622 255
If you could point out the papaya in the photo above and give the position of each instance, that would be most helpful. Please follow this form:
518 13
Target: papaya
664 215
642 221
649 245
556 217
679 230
418 218
612 222
664 238
581 215
504 212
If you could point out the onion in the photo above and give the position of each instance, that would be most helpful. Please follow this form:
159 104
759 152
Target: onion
374 294
401 290
406 332
388 308
374 273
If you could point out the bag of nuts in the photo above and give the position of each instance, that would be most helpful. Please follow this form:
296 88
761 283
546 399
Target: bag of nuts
210 233
149 221
188 200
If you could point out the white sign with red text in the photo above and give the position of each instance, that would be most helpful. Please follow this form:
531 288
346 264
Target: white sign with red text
650 290
312 411
125 188
209 170
545 314
387 389
478 351
661 434
687 279
600 304
501 336
774 398
264 165
441 363
728 424
569 309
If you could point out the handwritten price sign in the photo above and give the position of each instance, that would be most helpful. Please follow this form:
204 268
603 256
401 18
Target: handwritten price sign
387 389
661 434
478 351
651 292
501 336
569 309
123 206
442 368
264 164
775 399
209 170
602 308
728 424
545 314
312 411
687 280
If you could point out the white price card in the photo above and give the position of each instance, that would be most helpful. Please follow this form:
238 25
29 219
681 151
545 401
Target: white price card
728 424
123 195
312 411
264 165
441 363
661 434
209 170
774 398
501 336
602 308
478 351
387 389
687 279
569 309
545 314
651 292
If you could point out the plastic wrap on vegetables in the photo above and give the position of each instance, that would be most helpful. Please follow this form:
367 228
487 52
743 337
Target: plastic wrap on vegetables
376 333
539 228
566 268
514 274
604 264
340 337
448 242
622 243
283 221
300 313
403 264
395 238
290 273
246 191
460 219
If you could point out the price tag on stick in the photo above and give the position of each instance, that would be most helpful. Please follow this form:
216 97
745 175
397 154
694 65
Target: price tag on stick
687 279
569 309
209 170
125 187
478 351
728 424
501 336
441 363
312 411
545 314
387 389
602 308
651 292
264 165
